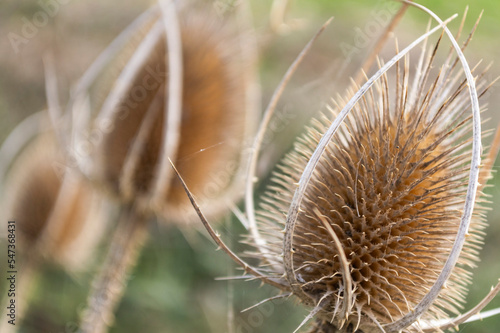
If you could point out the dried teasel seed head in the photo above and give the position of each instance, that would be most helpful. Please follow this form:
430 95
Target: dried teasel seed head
213 121
57 213
381 212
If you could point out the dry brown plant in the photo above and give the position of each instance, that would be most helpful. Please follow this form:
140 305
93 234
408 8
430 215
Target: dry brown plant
58 216
177 84
375 218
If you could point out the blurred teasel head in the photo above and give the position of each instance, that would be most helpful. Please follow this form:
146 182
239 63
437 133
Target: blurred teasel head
376 216
177 89
57 213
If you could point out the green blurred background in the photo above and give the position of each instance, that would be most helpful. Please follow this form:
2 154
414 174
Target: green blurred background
173 288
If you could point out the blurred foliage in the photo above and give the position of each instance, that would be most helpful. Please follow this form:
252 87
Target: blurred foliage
173 288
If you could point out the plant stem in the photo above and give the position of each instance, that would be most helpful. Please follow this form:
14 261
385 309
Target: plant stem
109 286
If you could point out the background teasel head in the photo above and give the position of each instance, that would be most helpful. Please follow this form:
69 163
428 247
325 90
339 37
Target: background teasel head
56 211
58 217
178 92
372 212
196 114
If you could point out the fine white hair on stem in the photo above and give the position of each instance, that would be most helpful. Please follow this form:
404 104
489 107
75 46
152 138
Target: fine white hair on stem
216 237
433 293
173 108
313 161
252 165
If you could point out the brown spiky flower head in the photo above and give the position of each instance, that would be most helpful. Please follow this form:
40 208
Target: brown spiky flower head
176 91
54 215
379 216
56 212
149 108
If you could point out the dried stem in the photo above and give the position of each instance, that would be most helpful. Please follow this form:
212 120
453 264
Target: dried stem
173 109
79 93
433 293
250 54
249 200
52 95
216 237
109 285
231 327
81 120
106 56
344 265
469 315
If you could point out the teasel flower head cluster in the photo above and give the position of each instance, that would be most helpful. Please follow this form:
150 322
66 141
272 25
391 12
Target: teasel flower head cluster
176 85
57 216
174 88
376 217
54 208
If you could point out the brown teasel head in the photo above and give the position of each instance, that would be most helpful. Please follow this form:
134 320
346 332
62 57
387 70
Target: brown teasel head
387 196
57 213
130 125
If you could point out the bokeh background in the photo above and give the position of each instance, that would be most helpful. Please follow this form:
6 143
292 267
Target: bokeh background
174 286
